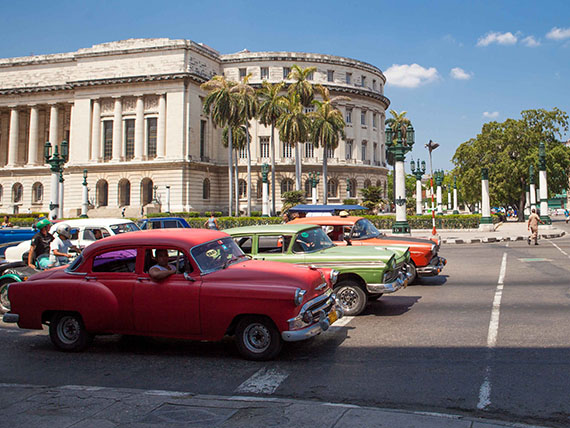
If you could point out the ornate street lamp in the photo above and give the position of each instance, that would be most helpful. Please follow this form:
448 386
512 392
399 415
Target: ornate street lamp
418 173
265 190
314 180
431 146
399 149
85 203
439 175
168 199
543 184
56 162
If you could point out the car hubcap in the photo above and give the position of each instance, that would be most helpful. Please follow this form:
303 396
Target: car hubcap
68 330
4 298
257 338
348 298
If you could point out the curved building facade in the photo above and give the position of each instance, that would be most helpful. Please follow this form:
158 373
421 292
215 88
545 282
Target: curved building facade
132 113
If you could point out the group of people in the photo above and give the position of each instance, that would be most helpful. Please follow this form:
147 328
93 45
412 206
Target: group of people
47 250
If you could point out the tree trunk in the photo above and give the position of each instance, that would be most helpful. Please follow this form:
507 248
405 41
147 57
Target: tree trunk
272 147
522 203
230 171
325 181
248 170
297 166
236 188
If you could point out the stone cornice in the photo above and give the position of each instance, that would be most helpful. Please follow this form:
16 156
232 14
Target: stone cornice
35 89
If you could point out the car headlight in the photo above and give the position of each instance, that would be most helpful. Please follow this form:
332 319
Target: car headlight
334 276
299 293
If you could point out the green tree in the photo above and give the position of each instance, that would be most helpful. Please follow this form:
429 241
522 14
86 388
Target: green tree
223 107
326 129
290 199
508 149
271 107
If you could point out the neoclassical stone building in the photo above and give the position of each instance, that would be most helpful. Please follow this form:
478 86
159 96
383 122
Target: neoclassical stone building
132 113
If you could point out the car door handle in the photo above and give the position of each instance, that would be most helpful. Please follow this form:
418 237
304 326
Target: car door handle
90 278
142 278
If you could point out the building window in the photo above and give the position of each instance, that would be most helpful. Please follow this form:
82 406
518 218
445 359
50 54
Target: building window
242 73
264 147
206 189
146 191
364 150
363 81
286 185
107 140
308 188
151 137
330 152
349 145
17 192
259 189
242 188
309 150
352 188
1 192
243 152
286 71
332 188
308 109
330 75
129 139
374 120
124 193
311 75
348 115
374 150
102 193
37 193
363 117
367 183
287 150
348 78
202 140
374 84
264 73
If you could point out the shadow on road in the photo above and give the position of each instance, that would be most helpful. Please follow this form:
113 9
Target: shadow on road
388 306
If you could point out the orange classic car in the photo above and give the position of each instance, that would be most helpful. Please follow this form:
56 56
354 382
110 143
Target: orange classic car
354 230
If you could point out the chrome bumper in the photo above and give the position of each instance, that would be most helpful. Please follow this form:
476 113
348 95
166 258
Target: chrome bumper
11 318
434 267
315 329
390 287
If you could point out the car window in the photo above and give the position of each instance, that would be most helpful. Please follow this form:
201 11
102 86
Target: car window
169 224
90 234
123 260
244 242
273 243
218 254
311 240
364 229
124 227
176 258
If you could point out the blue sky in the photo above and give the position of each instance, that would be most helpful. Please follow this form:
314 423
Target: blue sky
452 65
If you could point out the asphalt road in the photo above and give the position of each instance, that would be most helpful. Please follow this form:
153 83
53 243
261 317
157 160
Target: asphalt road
490 337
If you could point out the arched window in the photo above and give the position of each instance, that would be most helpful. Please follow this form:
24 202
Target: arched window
378 183
308 188
332 188
124 192
352 188
259 189
242 189
206 189
37 193
102 193
146 191
367 183
286 185
17 192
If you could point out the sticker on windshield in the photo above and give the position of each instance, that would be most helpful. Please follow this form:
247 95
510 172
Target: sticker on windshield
304 234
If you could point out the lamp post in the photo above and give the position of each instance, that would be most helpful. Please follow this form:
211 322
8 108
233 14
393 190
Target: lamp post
543 184
448 197
418 172
60 184
55 161
439 181
314 177
348 194
455 207
431 146
486 221
265 190
85 203
399 149
532 187
167 199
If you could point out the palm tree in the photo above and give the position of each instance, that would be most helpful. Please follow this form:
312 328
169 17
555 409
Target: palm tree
238 135
248 105
223 107
327 126
305 92
271 107
294 126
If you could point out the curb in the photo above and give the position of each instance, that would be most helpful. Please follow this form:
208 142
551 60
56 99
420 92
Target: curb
493 239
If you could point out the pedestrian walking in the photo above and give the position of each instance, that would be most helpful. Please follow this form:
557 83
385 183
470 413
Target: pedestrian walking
212 223
532 225
566 214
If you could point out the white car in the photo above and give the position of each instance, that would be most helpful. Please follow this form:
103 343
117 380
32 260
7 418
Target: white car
83 233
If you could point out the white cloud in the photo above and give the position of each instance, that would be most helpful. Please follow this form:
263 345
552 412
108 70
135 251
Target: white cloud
460 74
558 33
499 38
530 42
410 76
491 115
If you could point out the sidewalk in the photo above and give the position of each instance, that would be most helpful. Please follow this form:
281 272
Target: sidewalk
508 231
83 406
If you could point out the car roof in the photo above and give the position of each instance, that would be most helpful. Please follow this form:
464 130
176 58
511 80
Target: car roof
160 218
93 222
327 220
158 238
269 228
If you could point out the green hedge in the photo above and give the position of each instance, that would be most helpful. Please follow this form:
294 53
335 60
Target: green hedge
23 219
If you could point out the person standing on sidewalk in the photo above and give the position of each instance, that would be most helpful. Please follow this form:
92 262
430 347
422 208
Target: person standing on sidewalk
212 223
532 225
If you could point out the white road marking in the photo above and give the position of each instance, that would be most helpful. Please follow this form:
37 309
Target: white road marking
264 381
342 322
560 249
485 390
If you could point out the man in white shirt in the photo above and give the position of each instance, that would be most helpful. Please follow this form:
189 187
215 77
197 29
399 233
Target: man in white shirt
61 245
162 269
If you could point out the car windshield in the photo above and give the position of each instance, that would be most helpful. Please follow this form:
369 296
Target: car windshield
124 227
312 240
218 254
364 229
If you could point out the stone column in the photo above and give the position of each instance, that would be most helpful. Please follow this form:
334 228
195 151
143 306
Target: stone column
486 221
161 127
527 203
117 130
13 137
265 199
54 195
96 131
543 184
455 205
419 197
532 188
400 194
448 198
53 126
85 203
139 129
33 139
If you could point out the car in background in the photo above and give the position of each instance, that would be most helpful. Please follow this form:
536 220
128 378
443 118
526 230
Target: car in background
364 273
357 231
163 223
216 290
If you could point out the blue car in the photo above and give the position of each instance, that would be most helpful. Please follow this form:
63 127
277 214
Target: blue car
163 223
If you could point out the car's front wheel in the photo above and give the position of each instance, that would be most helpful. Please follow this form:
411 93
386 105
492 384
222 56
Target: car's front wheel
352 298
4 302
411 268
257 338
67 332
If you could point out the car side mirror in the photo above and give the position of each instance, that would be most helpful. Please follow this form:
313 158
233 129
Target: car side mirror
188 277
346 237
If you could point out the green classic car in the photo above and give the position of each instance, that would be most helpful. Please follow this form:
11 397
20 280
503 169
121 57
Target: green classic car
364 273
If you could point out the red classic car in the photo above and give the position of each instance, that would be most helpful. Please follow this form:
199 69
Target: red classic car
216 290
354 230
